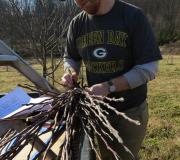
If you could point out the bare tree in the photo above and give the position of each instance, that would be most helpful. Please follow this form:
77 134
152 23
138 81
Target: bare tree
43 25
7 23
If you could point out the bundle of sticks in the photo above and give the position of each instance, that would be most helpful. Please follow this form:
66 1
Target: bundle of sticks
74 112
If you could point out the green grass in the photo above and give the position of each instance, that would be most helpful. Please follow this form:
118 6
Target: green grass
10 79
162 141
163 136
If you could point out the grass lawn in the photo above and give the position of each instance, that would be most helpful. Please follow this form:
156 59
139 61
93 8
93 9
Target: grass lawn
163 136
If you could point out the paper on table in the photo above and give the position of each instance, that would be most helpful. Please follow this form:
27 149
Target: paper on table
26 109
13 101
13 104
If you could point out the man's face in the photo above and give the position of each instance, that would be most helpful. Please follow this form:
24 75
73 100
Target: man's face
90 6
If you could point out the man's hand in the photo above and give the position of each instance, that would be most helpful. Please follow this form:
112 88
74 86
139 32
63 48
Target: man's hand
68 79
100 89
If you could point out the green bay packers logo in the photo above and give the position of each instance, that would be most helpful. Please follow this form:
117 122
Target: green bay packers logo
100 53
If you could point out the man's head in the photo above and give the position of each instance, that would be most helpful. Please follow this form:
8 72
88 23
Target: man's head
90 6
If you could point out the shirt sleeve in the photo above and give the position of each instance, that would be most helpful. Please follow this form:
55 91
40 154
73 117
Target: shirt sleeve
71 51
141 74
144 46
70 63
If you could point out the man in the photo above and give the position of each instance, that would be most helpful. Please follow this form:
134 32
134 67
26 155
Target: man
115 41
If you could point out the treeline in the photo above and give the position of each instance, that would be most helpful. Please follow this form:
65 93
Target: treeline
164 16
39 27
25 19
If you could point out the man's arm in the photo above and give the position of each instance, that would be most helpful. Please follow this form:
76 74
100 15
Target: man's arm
137 76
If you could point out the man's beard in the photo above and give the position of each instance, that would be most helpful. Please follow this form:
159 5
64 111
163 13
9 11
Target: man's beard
93 9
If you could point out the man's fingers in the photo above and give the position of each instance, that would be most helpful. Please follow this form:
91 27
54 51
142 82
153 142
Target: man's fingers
91 93
67 80
88 90
74 76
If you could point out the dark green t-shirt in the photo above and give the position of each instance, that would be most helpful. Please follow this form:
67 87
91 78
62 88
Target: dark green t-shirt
111 44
